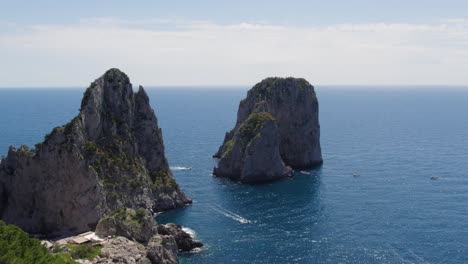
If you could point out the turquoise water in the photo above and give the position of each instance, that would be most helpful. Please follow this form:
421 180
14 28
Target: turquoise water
392 213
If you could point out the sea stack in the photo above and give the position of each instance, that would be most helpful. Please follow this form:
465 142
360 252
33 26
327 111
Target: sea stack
293 107
111 155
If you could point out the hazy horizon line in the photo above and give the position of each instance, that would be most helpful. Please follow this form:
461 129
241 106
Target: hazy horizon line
245 87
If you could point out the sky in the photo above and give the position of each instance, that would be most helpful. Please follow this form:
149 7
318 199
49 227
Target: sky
234 43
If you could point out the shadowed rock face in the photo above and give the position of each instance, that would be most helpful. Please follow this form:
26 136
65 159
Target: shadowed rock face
109 156
293 105
252 155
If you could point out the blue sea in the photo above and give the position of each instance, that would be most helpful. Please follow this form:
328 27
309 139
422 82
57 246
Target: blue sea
395 138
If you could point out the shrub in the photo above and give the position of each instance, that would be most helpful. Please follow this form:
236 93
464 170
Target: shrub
69 127
250 127
90 147
17 247
50 134
228 147
140 214
84 251
86 95
25 151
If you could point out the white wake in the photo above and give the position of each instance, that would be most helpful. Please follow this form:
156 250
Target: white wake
231 215
179 168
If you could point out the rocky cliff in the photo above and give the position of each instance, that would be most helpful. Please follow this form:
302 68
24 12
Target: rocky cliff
111 155
293 105
137 238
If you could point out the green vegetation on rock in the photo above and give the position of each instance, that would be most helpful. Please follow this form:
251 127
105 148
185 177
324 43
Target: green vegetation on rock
90 147
67 129
87 94
17 247
248 130
49 135
84 251
123 172
253 124
133 224
161 179
25 151
127 215
228 147
267 87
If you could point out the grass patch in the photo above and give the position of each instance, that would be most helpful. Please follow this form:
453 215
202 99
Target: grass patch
228 147
162 178
90 147
84 251
254 123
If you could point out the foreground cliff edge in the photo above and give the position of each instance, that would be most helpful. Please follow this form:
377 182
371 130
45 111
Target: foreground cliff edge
110 156
125 236
277 130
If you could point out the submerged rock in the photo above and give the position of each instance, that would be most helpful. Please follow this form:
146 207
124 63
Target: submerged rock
252 155
293 105
111 155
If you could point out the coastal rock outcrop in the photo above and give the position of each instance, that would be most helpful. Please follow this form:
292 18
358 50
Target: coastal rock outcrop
137 237
293 106
184 241
125 251
111 155
160 250
137 225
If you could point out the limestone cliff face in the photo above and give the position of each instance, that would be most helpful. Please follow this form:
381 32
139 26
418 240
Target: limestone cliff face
252 155
293 105
109 156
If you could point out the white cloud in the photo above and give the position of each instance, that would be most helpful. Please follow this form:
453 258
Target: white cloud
179 52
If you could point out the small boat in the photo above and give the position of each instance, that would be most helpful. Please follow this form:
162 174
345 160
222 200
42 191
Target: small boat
356 175
434 178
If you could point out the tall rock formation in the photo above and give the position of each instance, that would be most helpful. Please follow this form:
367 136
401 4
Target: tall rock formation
293 105
111 155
